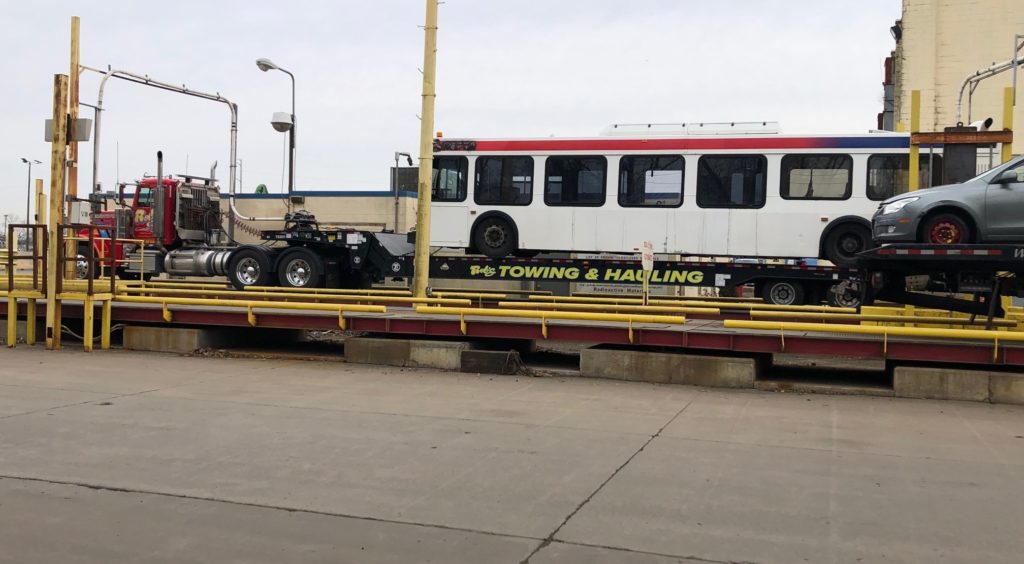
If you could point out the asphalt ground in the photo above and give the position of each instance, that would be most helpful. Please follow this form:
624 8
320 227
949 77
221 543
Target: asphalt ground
118 456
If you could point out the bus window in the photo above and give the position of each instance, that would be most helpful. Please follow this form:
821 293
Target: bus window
651 181
889 175
449 179
504 181
575 181
731 181
816 177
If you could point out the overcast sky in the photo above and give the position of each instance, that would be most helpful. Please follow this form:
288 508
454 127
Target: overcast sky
520 68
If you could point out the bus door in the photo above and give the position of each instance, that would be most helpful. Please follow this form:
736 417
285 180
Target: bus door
731 191
449 211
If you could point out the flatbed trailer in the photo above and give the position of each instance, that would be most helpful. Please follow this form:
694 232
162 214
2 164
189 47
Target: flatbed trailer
375 257
938 276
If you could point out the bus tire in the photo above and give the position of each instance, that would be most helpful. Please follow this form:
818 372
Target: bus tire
783 292
494 237
844 242
300 267
249 267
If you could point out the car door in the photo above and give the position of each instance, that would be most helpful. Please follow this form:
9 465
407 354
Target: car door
1004 209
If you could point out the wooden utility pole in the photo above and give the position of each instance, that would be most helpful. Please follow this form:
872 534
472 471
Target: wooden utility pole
58 162
73 111
421 261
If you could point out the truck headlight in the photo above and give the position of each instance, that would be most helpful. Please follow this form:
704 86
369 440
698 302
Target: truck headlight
897 205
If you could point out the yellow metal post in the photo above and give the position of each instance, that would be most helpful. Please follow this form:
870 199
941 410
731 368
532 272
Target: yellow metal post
30 322
915 126
40 216
12 321
105 320
1007 151
421 262
58 153
88 315
72 166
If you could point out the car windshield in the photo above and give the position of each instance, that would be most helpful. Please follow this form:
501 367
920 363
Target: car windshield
988 175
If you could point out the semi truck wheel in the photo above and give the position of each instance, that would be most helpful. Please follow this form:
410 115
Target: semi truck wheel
300 268
249 267
783 292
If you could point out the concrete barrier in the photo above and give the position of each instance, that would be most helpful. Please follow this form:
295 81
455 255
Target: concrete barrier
958 384
172 339
445 355
1006 387
668 368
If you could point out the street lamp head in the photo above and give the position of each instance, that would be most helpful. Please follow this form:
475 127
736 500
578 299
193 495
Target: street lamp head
282 121
265 64
24 160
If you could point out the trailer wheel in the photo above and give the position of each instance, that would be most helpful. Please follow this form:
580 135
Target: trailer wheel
844 294
300 268
249 267
494 237
783 292
845 241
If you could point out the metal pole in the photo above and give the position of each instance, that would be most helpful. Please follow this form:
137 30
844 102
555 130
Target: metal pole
915 150
28 204
394 188
291 145
421 273
58 157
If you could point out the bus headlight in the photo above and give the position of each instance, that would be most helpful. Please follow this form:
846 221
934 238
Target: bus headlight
897 205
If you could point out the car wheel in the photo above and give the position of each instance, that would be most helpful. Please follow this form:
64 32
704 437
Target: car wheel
494 237
946 229
845 241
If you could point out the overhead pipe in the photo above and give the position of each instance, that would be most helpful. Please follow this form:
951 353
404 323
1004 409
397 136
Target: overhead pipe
147 81
974 78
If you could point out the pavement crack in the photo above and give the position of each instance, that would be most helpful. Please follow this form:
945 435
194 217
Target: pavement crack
652 553
551 536
139 491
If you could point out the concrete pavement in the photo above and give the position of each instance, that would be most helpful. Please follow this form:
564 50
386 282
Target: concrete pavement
119 456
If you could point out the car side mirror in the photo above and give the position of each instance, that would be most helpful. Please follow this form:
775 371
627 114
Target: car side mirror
1010 176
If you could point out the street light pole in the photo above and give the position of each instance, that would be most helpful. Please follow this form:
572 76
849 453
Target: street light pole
28 197
394 182
267 65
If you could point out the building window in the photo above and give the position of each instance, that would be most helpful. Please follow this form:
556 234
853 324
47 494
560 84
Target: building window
450 179
889 175
816 177
504 181
651 181
731 181
575 181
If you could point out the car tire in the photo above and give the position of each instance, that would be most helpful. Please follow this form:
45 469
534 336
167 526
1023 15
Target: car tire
494 237
844 242
945 229
783 292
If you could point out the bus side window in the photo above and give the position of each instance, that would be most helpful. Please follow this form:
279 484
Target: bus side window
574 181
651 181
731 181
504 181
816 177
449 179
889 175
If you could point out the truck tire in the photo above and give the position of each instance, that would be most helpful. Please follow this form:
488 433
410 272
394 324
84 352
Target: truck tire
783 292
300 267
249 266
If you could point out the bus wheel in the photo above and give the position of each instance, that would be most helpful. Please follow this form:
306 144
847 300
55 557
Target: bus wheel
844 242
300 268
783 292
249 267
494 237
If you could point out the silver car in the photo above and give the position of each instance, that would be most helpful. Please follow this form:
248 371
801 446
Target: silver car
985 209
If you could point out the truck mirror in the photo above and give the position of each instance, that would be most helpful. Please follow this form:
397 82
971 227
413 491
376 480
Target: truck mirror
120 196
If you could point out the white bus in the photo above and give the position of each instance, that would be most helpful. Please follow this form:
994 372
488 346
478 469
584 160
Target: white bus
720 192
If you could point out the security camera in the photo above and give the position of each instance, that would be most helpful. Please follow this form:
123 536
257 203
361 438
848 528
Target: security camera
282 121
982 124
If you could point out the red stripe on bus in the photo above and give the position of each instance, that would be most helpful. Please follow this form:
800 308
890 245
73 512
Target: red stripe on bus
540 145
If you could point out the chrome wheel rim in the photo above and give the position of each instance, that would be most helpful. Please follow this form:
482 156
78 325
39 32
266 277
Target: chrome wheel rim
782 294
298 273
248 271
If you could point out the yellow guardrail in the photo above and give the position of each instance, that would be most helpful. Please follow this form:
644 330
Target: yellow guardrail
544 316
285 295
611 308
250 306
904 319
695 303
331 291
881 330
